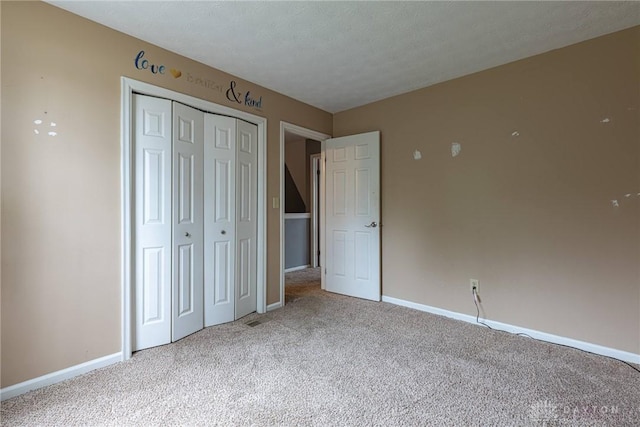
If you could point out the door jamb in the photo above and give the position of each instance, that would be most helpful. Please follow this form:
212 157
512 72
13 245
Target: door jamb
317 136
315 179
128 87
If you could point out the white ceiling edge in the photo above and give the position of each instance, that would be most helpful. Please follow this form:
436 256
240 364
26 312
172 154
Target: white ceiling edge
341 55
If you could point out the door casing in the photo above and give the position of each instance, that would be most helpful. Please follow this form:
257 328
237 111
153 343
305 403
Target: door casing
315 179
128 87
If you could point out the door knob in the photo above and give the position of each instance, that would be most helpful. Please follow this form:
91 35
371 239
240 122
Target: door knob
223 232
187 234
372 225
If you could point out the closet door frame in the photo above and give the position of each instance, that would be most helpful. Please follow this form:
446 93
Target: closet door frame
128 87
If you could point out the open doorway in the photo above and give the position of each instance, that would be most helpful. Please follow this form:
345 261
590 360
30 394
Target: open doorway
298 202
301 174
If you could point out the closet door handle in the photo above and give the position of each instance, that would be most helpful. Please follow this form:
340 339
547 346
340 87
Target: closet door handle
223 232
187 234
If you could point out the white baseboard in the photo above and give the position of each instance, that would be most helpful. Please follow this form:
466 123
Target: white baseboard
274 306
543 336
301 267
58 376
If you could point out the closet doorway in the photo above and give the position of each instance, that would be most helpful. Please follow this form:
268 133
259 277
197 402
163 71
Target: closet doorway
193 215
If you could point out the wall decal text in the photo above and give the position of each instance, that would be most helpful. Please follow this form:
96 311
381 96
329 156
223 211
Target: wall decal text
143 64
234 95
206 83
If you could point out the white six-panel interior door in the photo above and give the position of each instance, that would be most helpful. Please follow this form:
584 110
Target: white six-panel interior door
195 225
352 215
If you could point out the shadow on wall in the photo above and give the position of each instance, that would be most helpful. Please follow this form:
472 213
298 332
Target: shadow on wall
293 202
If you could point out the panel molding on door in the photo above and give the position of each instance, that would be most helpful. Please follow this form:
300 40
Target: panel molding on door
247 221
188 228
352 215
219 219
152 223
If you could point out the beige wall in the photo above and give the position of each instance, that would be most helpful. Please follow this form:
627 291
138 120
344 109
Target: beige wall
530 216
61 195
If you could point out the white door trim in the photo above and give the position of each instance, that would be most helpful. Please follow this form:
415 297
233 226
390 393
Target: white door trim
306 133
315 179
128 87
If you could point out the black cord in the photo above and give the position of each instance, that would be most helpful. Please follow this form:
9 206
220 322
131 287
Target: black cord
476 297
475 301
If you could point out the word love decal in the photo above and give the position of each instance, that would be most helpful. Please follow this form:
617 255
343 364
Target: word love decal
235 96
142 63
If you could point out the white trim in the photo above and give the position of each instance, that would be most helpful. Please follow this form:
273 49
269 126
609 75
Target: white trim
310 134
298 268
274 306
297 215
58 376
542 336
125 215
128 87
315 202
322 243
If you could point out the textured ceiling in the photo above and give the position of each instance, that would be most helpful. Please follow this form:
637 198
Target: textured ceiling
340 55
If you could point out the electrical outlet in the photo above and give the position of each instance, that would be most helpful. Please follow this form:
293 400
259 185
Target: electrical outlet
474 284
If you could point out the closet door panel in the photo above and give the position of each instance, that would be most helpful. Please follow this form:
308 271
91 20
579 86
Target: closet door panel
220 221
152 222
188 226
247 226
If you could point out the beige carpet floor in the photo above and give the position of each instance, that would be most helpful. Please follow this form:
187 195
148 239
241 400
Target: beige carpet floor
330 360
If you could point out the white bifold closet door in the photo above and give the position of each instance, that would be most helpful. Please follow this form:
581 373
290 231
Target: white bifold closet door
220 219
247 221
230 210
188 227
152 222
195 224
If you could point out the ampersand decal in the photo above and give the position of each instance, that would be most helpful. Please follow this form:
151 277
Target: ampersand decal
232 95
